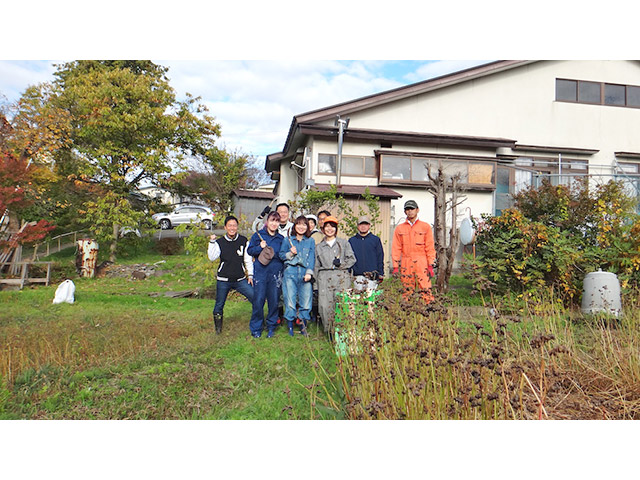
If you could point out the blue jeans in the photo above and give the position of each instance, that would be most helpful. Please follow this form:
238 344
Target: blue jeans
265 287
223 288
296 292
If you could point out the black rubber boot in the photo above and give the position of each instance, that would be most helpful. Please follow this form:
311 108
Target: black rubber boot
217 320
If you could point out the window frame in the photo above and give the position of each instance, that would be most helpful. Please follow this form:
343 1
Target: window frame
342 173
438 159
603 88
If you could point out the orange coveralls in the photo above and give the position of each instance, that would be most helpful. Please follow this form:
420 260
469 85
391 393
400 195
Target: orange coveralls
413 246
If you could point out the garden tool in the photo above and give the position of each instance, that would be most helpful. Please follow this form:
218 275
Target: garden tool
303 326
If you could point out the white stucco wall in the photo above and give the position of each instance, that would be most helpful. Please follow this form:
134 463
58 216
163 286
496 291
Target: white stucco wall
517 104
520 104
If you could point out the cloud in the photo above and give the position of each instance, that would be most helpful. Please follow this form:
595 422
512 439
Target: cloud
18 75
439 68
255 101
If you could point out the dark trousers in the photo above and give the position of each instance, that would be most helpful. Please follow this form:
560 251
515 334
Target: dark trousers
265 288
223 288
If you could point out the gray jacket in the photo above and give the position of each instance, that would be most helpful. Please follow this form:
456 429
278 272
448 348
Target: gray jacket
332 279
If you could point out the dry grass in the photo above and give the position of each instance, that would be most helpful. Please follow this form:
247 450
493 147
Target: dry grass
531 359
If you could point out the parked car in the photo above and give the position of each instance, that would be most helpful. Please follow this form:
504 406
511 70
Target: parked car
185 214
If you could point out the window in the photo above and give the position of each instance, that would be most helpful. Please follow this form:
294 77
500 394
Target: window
588 92
541 168
597 93
327 163
416 168
614 94
633 96
352 165
567 90
629 168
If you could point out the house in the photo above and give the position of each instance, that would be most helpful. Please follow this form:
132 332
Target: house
502 126
247 204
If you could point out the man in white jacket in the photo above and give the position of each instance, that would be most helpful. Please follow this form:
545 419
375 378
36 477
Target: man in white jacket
235 271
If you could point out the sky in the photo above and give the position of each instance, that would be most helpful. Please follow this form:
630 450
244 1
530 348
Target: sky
257 64
255 101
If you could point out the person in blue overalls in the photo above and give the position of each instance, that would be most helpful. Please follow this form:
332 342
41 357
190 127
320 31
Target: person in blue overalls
299 255
264 246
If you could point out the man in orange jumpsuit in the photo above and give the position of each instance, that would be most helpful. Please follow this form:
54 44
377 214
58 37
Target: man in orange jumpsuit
413 251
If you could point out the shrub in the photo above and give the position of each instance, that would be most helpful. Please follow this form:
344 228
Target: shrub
554 236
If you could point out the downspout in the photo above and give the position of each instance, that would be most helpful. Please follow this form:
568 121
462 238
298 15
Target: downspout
342 125
560 168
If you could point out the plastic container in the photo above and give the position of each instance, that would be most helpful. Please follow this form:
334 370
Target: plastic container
601 293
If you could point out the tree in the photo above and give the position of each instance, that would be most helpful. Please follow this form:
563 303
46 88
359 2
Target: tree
126 127
14 185
446 192
217 173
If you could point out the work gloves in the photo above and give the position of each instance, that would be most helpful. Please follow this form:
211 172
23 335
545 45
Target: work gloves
266 211
336 262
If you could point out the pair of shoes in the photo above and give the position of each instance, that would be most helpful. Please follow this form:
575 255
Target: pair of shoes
256 335
291 328
271 334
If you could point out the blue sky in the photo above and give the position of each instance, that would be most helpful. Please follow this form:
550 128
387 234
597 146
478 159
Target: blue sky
255 101
257 64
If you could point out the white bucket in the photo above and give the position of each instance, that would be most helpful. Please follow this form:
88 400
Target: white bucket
601 293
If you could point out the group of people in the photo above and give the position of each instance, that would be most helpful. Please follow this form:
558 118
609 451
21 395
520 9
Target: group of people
303 259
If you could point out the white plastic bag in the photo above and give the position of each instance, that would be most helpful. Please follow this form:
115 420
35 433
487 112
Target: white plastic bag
65 292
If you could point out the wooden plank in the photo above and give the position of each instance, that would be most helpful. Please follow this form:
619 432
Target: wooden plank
25 269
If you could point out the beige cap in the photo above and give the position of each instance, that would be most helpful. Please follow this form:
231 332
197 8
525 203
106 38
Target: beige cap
364 219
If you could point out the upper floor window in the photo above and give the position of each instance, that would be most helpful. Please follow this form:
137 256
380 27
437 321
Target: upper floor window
629 168
396 168
352 165
597 93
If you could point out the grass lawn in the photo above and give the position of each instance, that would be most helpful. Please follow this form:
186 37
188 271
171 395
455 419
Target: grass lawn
125 351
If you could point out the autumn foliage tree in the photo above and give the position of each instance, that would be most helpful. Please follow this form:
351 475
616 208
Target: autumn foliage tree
14 188
116 124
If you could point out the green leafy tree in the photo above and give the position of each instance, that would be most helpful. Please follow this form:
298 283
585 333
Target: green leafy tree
126 127
214 177
312 201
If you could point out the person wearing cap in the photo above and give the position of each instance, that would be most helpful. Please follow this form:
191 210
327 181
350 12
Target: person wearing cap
367 247
334 258
313 223
413 252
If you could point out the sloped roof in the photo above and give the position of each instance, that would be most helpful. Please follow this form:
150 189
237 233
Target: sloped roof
243 193
394 95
